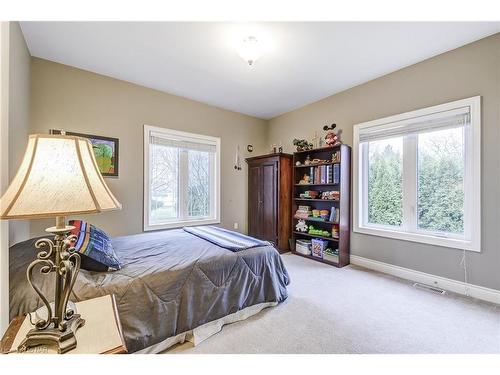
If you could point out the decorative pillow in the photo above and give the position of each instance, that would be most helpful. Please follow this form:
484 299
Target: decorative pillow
94 247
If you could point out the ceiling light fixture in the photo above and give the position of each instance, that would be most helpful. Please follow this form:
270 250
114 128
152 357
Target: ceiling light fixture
250 50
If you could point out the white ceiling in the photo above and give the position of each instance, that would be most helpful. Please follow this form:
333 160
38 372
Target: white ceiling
303 62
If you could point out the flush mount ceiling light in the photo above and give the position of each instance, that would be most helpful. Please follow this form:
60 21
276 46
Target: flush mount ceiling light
250 49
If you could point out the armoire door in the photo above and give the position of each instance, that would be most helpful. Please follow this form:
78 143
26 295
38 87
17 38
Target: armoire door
269 207
254 205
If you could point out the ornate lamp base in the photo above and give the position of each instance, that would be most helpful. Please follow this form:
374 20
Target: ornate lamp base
63 340
59 257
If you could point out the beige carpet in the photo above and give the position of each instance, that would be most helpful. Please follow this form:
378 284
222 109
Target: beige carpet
353 310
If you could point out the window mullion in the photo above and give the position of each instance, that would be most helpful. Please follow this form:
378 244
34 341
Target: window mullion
468 182
212 186
183 184
410 183
364 178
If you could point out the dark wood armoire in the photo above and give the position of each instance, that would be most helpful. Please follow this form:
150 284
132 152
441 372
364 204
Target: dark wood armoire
270 197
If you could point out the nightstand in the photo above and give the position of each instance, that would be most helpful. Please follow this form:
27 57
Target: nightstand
101 334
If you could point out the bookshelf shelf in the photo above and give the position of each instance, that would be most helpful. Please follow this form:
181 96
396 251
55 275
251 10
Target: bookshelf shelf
314 220
336 264
317 150
335 239
317 200
333 176
305 185
315 165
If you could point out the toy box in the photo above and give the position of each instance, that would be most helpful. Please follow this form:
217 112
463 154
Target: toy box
331 254
303 247
318 247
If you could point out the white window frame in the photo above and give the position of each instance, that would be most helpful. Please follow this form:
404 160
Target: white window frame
472 181
148 129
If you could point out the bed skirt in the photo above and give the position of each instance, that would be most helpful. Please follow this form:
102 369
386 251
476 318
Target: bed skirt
203 332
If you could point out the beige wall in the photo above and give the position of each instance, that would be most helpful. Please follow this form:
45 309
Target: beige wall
468 71
80 101
14 121
76 100
19 94
4 173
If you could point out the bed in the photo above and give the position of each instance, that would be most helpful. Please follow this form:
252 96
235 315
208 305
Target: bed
173 286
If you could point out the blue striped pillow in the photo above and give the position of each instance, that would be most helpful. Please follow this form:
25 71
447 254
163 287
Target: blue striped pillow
94 247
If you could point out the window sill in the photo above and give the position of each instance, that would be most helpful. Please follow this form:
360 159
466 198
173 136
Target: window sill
420 238
180 224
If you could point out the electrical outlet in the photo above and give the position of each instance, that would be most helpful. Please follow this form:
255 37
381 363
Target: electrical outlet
235 225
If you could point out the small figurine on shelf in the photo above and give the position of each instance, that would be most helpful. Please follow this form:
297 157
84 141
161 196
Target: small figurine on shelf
308 160
335 230
331 138
315 140
330 195
324 214
310 194
301 226
302 144
336 157
306 180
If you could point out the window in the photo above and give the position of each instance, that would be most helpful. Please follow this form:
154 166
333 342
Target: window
417 176
181 179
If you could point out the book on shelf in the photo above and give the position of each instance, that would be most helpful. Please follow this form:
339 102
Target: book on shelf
336 174
303 212
334 215
324 174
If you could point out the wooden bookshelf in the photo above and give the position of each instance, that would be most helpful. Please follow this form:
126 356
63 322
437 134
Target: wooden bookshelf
317 200
313 220
334 239
342 242
323 184
315 165
332 263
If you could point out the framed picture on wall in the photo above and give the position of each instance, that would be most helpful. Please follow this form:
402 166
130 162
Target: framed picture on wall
105 151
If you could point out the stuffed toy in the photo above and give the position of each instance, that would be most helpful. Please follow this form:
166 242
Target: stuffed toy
301 226
331 139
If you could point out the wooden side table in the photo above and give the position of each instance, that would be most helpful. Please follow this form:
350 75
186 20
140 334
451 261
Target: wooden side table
101 334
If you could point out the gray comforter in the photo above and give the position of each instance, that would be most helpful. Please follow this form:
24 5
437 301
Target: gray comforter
170 283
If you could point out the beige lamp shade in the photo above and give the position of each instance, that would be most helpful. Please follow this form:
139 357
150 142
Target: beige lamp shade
57 177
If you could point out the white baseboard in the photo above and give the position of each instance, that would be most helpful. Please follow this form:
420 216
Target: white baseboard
476 291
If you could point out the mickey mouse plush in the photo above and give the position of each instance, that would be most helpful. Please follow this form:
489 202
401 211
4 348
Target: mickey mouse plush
331 138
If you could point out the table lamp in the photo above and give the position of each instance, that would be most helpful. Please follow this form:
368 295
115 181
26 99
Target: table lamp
58 176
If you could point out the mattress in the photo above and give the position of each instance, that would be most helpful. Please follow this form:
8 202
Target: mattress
171 282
